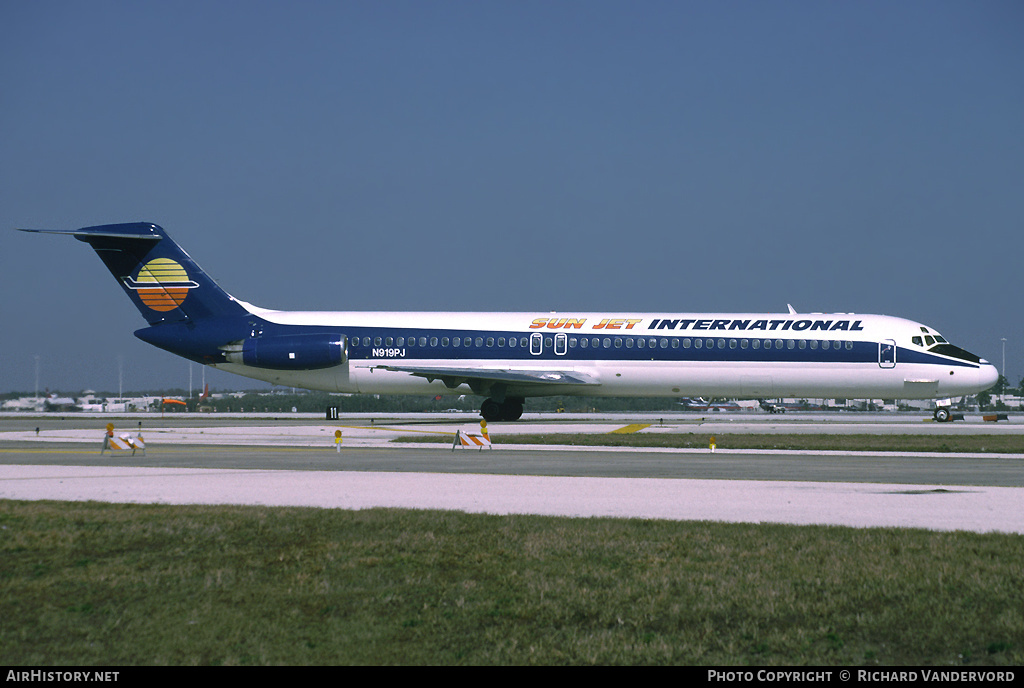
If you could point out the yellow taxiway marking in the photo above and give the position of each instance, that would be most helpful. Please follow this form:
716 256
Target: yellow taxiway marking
390 429
167 449
50 451
630 429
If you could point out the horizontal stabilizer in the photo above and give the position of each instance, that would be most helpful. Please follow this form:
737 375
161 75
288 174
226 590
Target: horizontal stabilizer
132 231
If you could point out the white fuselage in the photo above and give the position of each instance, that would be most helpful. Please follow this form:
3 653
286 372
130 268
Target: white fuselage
818 355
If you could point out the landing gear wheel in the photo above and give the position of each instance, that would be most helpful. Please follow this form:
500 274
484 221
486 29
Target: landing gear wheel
491 410
510 409
942 415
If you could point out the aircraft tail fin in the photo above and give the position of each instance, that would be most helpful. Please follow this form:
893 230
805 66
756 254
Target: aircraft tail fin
163 281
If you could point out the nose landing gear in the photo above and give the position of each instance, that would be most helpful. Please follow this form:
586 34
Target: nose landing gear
944 415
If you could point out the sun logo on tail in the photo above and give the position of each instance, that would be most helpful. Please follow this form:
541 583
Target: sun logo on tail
162 284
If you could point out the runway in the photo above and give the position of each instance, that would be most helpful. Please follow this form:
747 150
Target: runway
295 462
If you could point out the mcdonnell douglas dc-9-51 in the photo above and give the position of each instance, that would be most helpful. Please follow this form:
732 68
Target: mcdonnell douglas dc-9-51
507 357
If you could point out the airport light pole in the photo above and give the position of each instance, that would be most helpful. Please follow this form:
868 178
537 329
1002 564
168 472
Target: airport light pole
1004 364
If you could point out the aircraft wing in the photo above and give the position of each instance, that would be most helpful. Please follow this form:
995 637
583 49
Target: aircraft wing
483 377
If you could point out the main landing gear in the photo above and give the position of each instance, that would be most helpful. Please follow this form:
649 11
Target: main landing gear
509 409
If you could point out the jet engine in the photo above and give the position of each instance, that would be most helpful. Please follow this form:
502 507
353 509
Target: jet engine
289 351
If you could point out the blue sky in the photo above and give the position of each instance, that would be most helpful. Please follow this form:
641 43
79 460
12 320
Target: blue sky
643 156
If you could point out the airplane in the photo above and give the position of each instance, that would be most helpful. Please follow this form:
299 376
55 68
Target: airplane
701 404
507 357
771 407
783 406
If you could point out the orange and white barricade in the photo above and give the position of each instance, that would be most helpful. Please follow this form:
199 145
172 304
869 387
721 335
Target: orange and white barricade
467 438
123 442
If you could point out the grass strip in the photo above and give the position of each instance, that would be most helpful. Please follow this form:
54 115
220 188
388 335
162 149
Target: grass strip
120 584
996 444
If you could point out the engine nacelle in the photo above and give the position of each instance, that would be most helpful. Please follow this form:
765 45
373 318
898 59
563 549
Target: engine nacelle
290 351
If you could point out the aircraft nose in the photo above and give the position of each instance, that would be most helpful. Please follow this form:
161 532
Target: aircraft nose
987 376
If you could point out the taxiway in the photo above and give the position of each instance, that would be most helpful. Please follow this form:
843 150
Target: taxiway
294 461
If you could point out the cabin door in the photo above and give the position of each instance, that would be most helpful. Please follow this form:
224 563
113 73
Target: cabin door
536 343
887 353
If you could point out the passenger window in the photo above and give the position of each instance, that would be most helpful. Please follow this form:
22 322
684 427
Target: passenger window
536 343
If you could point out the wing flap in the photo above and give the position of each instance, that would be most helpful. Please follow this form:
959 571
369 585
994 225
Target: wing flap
453 377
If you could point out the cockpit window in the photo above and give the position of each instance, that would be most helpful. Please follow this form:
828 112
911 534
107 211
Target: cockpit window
955 352
937 344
